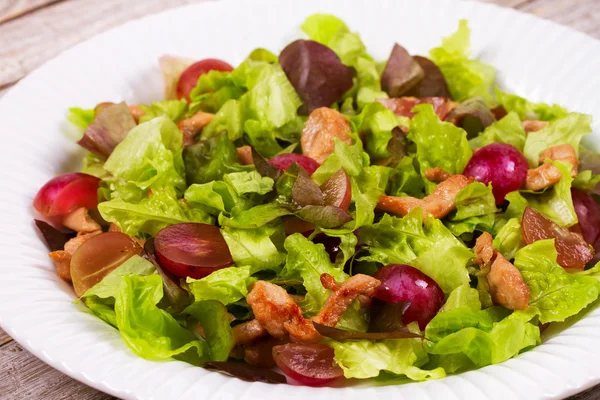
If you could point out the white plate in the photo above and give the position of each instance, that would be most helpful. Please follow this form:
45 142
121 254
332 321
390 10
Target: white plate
536 58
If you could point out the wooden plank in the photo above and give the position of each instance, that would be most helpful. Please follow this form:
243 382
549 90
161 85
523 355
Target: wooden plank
25 43
4 338
583 15
10 9
22 376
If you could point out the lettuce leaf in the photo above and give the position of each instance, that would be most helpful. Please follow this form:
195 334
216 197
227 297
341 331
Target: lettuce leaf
377 122
227 285
172 109
509 238
255 247
81 118
586 180
466 78
214 318
507 130
528 110
555 293
149 331
475 210
569 129
439 144
425 245
150 155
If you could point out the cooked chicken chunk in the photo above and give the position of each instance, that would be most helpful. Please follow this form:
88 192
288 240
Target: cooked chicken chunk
438 204
506 283
136 112
62 258
436 174
192 126
323 126
80 221
248 332
534 126
245 155
343 295
547 174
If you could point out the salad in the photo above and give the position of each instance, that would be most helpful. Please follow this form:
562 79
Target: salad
330 215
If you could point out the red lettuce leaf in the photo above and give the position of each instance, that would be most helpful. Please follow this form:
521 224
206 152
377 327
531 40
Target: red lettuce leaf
401 72
111 126
473 115
316 73
55 239
433 83
306 192
324 216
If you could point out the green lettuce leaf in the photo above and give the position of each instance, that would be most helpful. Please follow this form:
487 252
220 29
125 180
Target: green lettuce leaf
466 78
255 247
150 155
80 117
528 110
375 121
475 210
249 182
586 180
229 119
227 285
406 180
366 359
149 331
507 130
214 196
425 245
462 296
509 238
172 109
214 318
569 129
439 144
555 293
307 261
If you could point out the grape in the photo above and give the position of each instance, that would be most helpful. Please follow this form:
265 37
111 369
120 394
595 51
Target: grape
332 244
191 249
588 214
99 256
308 364
402 283
66 193
284 161
189 78
573 251
337 190
502 165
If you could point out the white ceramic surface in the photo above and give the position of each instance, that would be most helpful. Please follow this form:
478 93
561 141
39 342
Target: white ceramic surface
535 58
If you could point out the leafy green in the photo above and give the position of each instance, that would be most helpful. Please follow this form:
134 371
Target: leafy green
149 331
214 318
568 129
173 109
255 247
509 238
80 117
439 144
528 110
249 182
375 121
215 196
466 78
427 245
462 296
406 180
227 285
555 293
475 210
586 180
507 130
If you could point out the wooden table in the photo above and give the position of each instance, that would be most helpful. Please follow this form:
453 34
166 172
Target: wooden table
33 31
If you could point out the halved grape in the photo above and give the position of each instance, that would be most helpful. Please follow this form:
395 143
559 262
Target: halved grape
284 161
99 256
573 251
66 193
191 249
501 164
189 77
337 190
402 283
308 364
588 214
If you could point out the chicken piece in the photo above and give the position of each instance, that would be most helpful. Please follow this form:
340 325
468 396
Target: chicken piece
438 204
80 221
505 281
507 286
248 332
323 126
136 112
343 295
245 155
192 126
547 174
534 126
484 249
277 312
72 245
62 260
436 174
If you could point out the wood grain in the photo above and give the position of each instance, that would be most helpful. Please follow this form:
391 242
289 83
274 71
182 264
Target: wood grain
10 9
32 37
